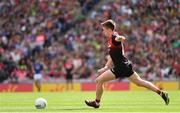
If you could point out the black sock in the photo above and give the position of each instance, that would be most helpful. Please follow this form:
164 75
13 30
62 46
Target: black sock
159 92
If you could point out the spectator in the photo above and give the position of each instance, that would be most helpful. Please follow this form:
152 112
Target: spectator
69 74
56 29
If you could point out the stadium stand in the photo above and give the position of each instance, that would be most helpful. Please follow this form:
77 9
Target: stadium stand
54 31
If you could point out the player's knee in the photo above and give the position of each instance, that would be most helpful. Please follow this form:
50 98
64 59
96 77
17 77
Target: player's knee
98 81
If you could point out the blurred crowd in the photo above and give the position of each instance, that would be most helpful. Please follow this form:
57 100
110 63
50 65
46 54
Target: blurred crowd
58 32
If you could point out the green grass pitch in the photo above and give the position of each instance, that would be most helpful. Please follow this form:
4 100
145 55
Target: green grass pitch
73 102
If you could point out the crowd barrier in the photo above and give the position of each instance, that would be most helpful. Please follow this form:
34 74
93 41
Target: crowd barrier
60 87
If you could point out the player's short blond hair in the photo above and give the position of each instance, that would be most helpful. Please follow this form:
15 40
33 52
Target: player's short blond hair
109 24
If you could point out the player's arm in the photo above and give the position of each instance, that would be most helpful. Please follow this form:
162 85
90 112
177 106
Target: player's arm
120 38
107 66
42 69
109 62
32 69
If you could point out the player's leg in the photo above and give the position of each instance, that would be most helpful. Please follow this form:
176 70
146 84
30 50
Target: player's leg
100 80
106 76
37 81
143 83
38 85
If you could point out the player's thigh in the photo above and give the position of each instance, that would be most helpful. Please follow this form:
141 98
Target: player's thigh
37 81
106 76
135 78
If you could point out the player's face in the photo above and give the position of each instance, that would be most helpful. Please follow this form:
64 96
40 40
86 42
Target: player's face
106 31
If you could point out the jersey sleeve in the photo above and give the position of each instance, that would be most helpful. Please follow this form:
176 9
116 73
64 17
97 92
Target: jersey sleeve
115 43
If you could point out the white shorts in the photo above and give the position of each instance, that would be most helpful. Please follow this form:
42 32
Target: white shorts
37 76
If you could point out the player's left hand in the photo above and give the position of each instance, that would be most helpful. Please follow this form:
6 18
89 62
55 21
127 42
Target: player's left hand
102 70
